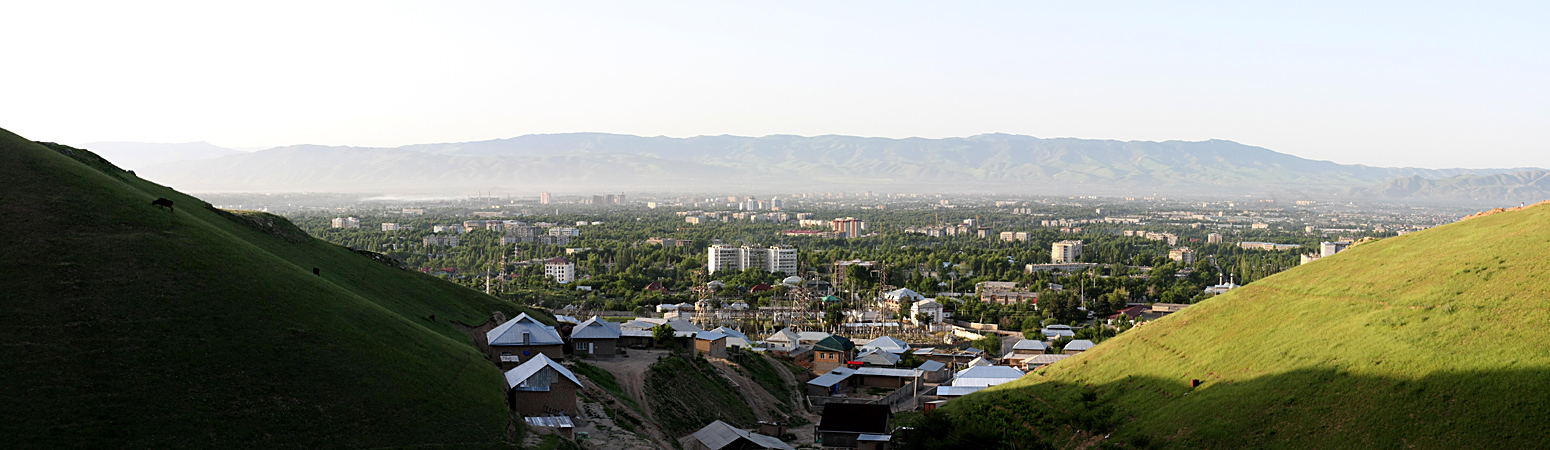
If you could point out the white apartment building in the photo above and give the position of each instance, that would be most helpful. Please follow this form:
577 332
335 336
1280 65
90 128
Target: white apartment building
560 269
1214 238
1065 252
346 222
779 258
389 226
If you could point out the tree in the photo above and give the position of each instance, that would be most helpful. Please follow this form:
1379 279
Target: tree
834 315
662 334
990 344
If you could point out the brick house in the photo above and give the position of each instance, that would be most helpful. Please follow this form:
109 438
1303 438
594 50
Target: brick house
541 387
520 339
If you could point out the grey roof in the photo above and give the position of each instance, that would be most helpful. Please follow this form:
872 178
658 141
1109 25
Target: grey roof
1058 332
681 325
784 335
956 391
1080 345
1029 344
886 372
1040 360
730 332
931 366
986 376
878 357
719 435
709 336
813 335
635 333
888 343
901 293
874 438
980 361
642 324
510 333
519 375
596 328
832 378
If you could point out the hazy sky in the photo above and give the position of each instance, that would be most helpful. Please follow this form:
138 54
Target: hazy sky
1465 84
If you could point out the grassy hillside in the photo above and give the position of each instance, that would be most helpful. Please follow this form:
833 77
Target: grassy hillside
1437 339
688 393
128 326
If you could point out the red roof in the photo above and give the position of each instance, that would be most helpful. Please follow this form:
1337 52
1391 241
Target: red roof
656 286
1134 311
759 287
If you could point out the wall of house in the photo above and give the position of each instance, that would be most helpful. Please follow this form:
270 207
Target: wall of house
555 352
561 397
826 361
716 348
603 348
839 439
887 382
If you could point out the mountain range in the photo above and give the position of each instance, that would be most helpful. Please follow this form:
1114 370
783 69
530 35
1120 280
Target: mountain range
999 163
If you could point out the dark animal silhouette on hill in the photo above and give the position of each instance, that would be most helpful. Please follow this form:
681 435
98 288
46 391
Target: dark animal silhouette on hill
162 201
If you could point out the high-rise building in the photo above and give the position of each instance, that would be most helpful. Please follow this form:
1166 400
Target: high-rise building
779 258
1064 252
346 222
543 198
560 269
389 226
1330 248
1214 238
849 227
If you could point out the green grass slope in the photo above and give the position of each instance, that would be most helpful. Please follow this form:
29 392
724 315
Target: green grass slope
123 325
1437 339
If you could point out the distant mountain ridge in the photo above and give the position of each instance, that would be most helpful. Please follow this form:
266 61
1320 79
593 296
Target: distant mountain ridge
600 161
1525 186
137 155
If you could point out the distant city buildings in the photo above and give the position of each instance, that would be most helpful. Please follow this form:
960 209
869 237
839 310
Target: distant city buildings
346 222
1267 246
1214 238
1014 236
442 240
777 258
1326 249
543 198
389 226
1065 252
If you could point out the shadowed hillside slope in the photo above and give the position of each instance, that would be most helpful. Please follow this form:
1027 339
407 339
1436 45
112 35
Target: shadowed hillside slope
1436 339
126 325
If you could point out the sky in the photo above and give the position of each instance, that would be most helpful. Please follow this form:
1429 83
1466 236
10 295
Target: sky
1423 84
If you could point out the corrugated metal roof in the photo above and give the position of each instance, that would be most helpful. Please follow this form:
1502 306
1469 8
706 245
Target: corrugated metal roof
878 357
887 372
1040 360
1029 344
874 438
730 332
719 435
931 366
957 391
1079 345
709 336
887 343
510 333
596 328
986 376
833 377
515 377
550 421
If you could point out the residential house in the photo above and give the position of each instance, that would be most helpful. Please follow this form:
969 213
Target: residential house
596 337
831 352
1023 351
519 339
831 383
722 436
926 308
1043 360
541 387
783 341
1058 331
711 344
975 379
844 424
933 371
885 377
886 343
735 338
